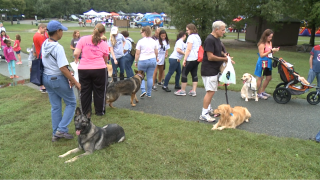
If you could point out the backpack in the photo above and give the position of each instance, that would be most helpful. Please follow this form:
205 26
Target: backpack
200 54
133 49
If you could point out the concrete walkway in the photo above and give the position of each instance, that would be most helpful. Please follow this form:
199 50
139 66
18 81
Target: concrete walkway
296 119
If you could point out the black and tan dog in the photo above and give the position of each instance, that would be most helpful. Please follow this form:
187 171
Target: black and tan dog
91 137
125 87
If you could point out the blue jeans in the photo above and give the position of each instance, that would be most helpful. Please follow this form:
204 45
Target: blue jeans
12 64
128 60
59 89
318 137
148 67
121 64
174 67
312 75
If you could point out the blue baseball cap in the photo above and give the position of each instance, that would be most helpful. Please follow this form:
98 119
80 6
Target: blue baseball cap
55 25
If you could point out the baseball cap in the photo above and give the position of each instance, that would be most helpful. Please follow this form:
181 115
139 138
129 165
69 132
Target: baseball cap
114 30
55 25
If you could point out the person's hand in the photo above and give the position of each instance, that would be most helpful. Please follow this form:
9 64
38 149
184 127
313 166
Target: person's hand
166 55
115 61
233 62
136 64
226 54
184 63
275 49
76 61
178 60
157 60
78 85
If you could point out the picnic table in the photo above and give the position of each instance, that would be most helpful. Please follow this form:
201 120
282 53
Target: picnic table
304 48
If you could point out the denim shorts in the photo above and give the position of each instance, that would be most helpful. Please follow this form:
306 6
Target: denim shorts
18 52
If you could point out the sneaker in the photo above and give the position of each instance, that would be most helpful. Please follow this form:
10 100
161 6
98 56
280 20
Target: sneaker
159 84
143 94
192 93
54 139
261 96
11 77
156 81
149 96
314 139
207 118
154 88
266 94
43 91
180 93
166 89
63 135
162 82
177 87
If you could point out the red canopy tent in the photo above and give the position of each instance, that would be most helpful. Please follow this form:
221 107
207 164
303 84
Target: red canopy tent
114 14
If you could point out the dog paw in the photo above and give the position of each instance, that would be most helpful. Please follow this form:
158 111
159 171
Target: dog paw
60 156
246 100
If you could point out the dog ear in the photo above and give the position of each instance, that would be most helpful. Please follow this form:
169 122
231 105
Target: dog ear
78 111
88 115
135 71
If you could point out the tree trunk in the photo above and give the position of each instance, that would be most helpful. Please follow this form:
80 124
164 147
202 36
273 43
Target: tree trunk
313 33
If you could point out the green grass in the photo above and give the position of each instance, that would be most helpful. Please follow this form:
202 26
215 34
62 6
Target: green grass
245 57
156 147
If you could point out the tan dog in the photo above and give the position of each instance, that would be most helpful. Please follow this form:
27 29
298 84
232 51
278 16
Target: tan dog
128 86
110 71
230 117
249 88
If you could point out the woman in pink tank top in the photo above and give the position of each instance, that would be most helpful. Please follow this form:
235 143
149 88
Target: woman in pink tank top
265 50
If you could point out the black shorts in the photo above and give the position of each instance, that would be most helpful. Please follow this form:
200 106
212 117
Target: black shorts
267 72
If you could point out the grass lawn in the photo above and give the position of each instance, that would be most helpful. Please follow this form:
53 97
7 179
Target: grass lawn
156 147
245 57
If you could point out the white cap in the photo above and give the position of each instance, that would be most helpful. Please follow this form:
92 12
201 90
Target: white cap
114 30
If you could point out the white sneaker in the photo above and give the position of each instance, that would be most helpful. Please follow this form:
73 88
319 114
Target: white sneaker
207 118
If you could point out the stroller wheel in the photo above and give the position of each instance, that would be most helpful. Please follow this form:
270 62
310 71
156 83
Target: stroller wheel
281 85
313 98
281 95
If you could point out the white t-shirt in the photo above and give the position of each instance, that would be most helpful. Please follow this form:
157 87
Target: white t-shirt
196 43
146 46
181 45
162 52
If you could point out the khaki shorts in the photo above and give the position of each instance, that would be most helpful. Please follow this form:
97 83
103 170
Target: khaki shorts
211 82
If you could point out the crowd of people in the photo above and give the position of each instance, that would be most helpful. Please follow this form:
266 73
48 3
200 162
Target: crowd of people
93 52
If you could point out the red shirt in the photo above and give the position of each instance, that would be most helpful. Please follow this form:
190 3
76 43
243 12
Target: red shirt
18 48
38 39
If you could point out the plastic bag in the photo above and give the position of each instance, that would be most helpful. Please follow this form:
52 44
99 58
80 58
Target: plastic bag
74 66
228 75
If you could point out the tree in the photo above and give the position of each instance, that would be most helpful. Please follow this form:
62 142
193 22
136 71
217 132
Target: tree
13 7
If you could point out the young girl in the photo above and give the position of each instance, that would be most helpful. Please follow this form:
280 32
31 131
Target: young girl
174 60
163 46
3 37
74 41
10 58
17 48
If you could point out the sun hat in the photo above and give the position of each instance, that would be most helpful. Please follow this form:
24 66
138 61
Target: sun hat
114 30
55 25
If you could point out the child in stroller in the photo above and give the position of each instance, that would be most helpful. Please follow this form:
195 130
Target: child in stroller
293 84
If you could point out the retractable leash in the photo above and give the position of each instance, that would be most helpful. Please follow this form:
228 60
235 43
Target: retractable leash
79 94
226 86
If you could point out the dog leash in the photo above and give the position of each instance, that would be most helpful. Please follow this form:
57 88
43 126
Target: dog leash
79 94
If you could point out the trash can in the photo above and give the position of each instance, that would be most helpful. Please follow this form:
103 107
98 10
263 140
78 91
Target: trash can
18 21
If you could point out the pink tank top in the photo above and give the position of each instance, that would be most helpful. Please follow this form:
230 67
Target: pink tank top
267 48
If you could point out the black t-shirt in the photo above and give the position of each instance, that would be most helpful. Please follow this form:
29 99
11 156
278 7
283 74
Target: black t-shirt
214 45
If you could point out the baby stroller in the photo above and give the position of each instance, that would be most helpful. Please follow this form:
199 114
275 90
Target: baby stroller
293 84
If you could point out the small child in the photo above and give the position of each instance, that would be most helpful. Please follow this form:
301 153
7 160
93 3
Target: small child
17 48
31 56
10 58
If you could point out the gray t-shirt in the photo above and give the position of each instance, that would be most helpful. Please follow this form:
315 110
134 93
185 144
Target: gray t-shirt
118 47
74 42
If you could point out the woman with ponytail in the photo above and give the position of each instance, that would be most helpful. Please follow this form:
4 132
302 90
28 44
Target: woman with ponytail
92 70
116 44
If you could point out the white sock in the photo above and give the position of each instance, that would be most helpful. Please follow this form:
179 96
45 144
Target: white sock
209 107
204 111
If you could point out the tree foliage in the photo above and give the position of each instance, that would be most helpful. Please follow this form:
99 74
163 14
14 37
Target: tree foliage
13 7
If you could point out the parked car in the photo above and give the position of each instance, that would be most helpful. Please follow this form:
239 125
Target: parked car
74 17
150 20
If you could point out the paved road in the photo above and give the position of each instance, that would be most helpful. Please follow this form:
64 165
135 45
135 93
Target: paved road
296 119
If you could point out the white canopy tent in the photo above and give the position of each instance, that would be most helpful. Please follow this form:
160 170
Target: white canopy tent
90 13
103 14
139 14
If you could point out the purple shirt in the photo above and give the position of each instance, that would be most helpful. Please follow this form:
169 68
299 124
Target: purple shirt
8 53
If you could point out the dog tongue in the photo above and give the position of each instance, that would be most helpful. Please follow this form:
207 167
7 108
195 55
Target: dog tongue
78 132
215 115
244 82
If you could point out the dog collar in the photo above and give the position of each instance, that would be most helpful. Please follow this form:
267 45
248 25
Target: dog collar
140 75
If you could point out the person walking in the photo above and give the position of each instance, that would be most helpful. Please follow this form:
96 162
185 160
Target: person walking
190 63
146 59
264 63
17 48
214 55
92 70
314 71
174 60
116 44
10 58
163 47
128 58
58 81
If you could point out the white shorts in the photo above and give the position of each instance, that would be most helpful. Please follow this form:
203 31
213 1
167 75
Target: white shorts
29 63
211 82
160 62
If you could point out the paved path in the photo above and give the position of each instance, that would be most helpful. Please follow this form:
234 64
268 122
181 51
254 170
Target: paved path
296 119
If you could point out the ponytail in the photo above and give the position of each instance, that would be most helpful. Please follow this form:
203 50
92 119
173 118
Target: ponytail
113 40
96 37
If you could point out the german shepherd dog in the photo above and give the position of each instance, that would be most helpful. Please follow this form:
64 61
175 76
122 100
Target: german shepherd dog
91 137
125 87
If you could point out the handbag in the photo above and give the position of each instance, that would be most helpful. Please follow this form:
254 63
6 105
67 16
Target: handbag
200 54
37 71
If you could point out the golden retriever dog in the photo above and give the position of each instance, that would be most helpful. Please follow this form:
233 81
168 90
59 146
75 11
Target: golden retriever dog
230 117
249 88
